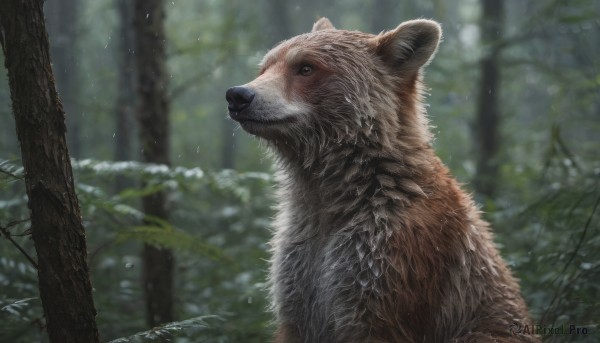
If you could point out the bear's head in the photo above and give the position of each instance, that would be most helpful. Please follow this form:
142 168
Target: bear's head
334 87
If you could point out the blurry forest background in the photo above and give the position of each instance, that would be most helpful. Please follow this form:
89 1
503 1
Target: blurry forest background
514 103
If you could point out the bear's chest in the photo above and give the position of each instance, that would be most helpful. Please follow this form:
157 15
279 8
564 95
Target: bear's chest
300 279
314 283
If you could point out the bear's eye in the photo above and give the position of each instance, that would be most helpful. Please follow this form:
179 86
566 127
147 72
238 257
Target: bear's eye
306 70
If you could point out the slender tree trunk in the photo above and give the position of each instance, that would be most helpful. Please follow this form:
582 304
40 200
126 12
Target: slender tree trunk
383 15
487 126
62 17
227 125
279 26
56 226
125 106
228 148
152 113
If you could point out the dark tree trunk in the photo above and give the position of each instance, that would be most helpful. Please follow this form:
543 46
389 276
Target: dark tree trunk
125 106
487 126
384 15
279 27
56 226
152 114
227 125
62 20
228 148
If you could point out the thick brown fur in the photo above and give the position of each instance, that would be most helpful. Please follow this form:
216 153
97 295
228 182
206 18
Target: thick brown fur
374 240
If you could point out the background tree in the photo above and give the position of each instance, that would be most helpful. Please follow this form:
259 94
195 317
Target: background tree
153 118
280 27
56 227
62 18
126 94
228 126
487 118
383 15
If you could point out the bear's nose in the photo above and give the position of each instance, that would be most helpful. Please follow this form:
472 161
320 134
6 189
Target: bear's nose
239 98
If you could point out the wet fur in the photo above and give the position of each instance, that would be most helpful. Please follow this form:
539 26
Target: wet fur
374 240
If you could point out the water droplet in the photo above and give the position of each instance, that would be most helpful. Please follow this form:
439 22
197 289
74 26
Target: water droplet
376 270
363 278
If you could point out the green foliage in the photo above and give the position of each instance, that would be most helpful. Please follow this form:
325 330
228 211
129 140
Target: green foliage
11 176
15 307
20 309
168 331
168 237
218 228
549 228
10 171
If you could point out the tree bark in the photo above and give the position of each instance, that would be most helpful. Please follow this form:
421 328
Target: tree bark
152 114
62 18
56 226
487 122
125 106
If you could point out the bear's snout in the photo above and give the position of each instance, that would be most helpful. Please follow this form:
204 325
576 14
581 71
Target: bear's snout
239 98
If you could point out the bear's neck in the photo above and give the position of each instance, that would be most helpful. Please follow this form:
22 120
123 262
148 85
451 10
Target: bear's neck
353 184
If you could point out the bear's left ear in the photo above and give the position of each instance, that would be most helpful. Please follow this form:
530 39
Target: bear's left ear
410 46
322 24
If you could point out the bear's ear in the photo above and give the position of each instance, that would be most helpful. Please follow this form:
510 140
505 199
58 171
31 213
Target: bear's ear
322 24
410 46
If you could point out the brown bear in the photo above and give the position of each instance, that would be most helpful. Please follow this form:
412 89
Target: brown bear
374 240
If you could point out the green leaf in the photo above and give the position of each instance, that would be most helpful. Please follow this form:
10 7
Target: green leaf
166 236
166 330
